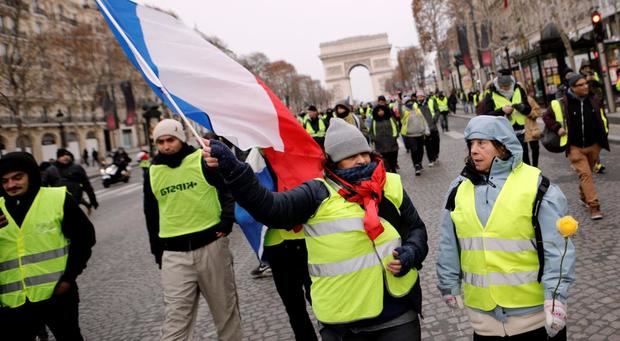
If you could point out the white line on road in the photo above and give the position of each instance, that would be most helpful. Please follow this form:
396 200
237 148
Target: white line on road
455 135
118 191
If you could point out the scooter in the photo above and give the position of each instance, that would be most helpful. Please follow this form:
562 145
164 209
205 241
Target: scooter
112 174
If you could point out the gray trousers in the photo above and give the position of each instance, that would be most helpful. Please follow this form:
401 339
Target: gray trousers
207 271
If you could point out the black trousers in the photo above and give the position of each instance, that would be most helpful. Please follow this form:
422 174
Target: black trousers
59 314
416 145
535 147
289 267
405 332
391 161
444 120
534 335
432 146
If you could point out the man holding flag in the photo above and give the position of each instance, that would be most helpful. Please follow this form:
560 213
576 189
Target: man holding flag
188 214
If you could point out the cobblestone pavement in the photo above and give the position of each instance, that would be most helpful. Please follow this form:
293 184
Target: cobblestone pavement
121 296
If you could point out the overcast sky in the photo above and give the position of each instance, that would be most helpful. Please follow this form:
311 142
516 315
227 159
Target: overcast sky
292 30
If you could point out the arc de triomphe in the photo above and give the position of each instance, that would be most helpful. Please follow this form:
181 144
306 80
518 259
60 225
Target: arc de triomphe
340 56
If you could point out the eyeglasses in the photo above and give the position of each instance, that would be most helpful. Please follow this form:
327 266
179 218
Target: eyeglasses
580 84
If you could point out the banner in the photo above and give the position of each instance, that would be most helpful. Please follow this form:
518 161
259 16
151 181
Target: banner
108 107
130 103
464 46
485 51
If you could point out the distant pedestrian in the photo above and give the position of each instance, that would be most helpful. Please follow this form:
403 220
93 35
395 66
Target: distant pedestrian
315 125
441 102
85 157
95 155
452 101
506 261
384 134
432 140
532 134
414 128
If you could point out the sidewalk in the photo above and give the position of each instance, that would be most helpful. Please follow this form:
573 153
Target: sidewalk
613 121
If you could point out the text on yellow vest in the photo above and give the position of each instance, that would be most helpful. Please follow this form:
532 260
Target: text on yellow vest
187 202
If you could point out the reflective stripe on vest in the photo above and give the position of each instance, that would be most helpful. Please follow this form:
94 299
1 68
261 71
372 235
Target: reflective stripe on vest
500 101
348 282
187 202
392 122
442 104
312 132
499 261
34 255
556 106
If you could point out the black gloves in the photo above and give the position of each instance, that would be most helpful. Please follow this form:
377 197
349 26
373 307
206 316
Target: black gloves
406 255
519 107
228 164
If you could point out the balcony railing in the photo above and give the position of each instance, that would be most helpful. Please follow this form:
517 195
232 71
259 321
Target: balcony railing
29 120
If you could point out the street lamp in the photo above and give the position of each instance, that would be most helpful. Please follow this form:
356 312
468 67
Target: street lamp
505 38
60 117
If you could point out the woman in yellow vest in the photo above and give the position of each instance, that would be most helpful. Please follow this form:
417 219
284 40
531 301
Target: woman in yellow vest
489 248
364 238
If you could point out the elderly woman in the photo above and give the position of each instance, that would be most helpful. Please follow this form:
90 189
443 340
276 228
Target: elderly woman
364 237
494 246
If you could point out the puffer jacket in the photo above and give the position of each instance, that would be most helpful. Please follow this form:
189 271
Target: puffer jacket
487 189
413 123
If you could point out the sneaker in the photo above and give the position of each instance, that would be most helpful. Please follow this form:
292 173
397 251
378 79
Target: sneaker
595 213
599 168
431 164
418 172
261 271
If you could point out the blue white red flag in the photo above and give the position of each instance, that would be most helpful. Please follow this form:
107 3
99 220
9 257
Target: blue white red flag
196 79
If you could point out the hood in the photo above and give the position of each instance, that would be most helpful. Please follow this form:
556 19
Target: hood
495 128
386 110
25 162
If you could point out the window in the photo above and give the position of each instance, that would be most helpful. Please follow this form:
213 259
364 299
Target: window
1 23
127 138
37 27
2 50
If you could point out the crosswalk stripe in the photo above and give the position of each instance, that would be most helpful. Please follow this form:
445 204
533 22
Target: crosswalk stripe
455 135
119 191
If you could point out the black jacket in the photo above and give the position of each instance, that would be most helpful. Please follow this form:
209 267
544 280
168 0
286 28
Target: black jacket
284 210
75 224
74 177
593 126
191 241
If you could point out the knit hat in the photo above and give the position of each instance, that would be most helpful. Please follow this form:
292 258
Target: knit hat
343 140
62 152
24 162
504 80
381 98
573 77
169 127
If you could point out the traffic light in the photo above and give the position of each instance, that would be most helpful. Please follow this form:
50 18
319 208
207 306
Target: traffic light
597 26
458 59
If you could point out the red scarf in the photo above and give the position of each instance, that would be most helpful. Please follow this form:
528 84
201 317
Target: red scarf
367 193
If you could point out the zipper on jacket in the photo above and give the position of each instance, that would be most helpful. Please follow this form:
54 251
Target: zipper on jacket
583 138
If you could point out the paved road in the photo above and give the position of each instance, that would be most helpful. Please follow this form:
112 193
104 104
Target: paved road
121 294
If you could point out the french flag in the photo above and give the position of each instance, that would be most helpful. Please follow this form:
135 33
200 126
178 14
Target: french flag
196 79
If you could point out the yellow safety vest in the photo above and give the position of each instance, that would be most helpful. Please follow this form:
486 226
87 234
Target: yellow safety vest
394 128
348 270
442 104
404 118
499 261
310 130
500 101
556 106
187 202
33 256
145 163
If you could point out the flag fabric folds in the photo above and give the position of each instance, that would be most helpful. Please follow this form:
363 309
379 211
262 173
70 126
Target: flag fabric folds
207 86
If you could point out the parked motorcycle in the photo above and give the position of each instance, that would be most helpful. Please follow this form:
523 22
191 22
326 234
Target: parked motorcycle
112 174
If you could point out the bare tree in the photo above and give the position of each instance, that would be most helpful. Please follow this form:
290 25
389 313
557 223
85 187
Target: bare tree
256 63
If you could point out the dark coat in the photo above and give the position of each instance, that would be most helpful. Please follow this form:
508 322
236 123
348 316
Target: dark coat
381 130
599 133
74 177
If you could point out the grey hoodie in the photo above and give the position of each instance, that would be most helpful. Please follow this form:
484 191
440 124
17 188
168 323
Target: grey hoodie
553 206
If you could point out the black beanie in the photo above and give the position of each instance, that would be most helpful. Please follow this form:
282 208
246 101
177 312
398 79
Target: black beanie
62 152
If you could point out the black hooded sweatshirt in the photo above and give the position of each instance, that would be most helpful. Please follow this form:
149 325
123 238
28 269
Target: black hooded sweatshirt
190 241
75 224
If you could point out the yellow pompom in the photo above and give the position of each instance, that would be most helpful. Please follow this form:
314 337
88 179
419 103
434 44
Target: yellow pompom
567 225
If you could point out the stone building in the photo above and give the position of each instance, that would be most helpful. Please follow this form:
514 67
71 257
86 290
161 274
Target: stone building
59 54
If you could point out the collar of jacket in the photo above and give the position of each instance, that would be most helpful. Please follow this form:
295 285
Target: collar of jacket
174 160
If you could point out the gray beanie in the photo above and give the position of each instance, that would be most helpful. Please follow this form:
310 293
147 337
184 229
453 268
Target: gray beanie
573 77
169 127
343 140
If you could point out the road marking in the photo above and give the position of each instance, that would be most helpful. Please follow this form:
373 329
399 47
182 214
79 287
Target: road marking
454 135
118 191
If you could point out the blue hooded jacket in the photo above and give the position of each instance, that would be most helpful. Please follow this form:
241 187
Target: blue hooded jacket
487 188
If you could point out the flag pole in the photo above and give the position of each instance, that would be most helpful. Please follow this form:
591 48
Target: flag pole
149 73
